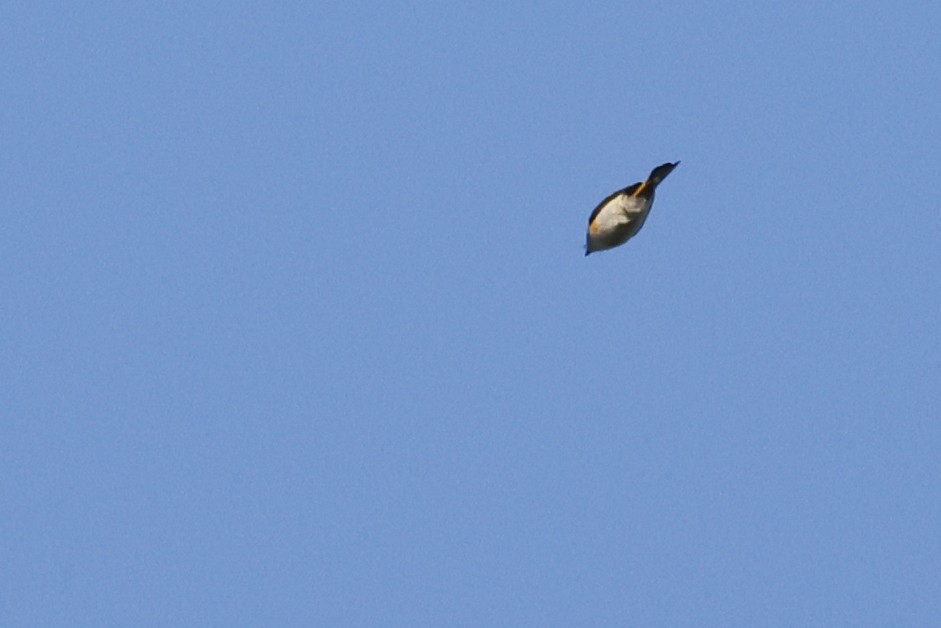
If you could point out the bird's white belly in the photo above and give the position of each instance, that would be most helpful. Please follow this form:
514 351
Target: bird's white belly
620 212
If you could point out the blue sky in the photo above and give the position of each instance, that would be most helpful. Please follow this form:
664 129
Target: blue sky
297 327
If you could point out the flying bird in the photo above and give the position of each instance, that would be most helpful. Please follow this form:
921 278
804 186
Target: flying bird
619 217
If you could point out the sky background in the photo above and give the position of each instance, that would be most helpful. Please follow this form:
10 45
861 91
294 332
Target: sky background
296 327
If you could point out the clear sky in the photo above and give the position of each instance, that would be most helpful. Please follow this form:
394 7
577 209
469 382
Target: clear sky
296 327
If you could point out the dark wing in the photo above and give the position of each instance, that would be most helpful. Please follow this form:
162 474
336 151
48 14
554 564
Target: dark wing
628 191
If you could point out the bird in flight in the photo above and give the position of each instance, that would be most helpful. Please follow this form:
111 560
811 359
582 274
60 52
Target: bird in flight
619 217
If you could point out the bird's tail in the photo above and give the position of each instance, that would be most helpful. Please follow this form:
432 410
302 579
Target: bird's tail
660 173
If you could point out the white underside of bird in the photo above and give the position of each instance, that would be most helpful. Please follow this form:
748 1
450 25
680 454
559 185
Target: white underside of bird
617 221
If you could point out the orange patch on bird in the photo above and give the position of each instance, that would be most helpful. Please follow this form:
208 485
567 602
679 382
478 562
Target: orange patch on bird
640 188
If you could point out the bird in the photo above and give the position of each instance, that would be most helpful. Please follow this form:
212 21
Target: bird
620 216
